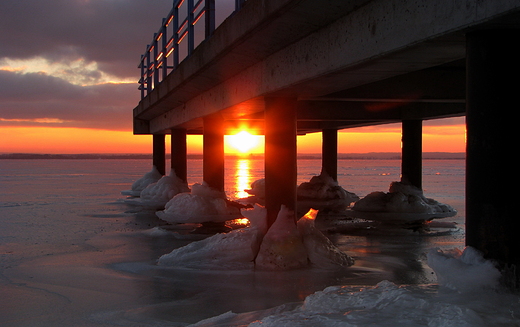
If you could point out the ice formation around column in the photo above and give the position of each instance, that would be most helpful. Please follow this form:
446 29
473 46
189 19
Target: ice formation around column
403 200
322 192
285 245
157 194
203 204
139 185
233 250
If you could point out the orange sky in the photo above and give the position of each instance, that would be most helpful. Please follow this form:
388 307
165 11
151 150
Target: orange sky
385 138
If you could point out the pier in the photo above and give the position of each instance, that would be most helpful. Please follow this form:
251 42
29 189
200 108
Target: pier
290 67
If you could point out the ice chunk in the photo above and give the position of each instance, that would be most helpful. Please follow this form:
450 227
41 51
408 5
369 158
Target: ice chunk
139 185
221 251
322 253
463 271
164 189
282 246
323 187
203 204
403 198
257 217
233 250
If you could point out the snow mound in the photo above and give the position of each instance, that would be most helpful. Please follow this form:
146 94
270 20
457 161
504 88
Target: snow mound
139 185
203 204
324 187
157 194
401 198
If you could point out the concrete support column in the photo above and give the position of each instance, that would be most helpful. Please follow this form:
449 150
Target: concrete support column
159 153
492 222
213 151
411 147
329 152
280 155
179 160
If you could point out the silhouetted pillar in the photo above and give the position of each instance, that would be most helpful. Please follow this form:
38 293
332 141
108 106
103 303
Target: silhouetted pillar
213 151
411 157
179 153
159 153
492 223
329 152
280 155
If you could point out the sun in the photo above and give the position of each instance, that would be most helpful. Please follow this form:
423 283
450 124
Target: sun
243 142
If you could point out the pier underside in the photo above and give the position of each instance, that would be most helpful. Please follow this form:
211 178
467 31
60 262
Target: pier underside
356 65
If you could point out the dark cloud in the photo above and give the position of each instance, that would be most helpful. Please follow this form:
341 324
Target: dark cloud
27 98
112 33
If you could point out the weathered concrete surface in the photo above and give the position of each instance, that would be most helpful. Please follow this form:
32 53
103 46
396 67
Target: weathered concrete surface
298 49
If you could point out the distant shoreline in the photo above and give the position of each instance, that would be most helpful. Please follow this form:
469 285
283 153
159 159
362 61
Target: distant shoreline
341 156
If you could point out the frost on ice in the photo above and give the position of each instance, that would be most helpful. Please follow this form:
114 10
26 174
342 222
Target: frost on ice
150 177
285 245
157 194
203 204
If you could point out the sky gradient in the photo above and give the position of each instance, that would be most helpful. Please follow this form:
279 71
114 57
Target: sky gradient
68 77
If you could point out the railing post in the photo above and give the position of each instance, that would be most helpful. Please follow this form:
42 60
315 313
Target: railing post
148 75
191 28
164 50
142 80
210 18
154 69
176 36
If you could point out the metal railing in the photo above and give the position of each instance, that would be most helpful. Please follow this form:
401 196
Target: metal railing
176 39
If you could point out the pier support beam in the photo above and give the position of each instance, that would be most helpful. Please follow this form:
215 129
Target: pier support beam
280 155
329 153
213 151
179 154
411 157
492 223
159 153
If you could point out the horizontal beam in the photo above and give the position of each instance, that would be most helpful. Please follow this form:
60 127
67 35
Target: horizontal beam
394 110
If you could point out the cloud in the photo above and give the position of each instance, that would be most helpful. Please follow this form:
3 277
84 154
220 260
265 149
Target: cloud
111 33
33 99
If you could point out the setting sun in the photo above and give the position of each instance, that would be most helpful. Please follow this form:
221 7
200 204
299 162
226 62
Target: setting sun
243 142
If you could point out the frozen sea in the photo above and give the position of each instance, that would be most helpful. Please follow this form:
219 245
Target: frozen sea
72 253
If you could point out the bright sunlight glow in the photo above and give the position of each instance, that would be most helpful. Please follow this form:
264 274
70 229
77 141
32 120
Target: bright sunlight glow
243 141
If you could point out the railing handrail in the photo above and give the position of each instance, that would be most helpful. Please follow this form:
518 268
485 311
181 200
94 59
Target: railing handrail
156 63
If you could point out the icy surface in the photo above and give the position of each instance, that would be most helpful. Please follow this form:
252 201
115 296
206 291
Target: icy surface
402 198
71 254
476 301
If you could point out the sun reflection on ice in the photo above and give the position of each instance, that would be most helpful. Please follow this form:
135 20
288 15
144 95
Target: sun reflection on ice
242 177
